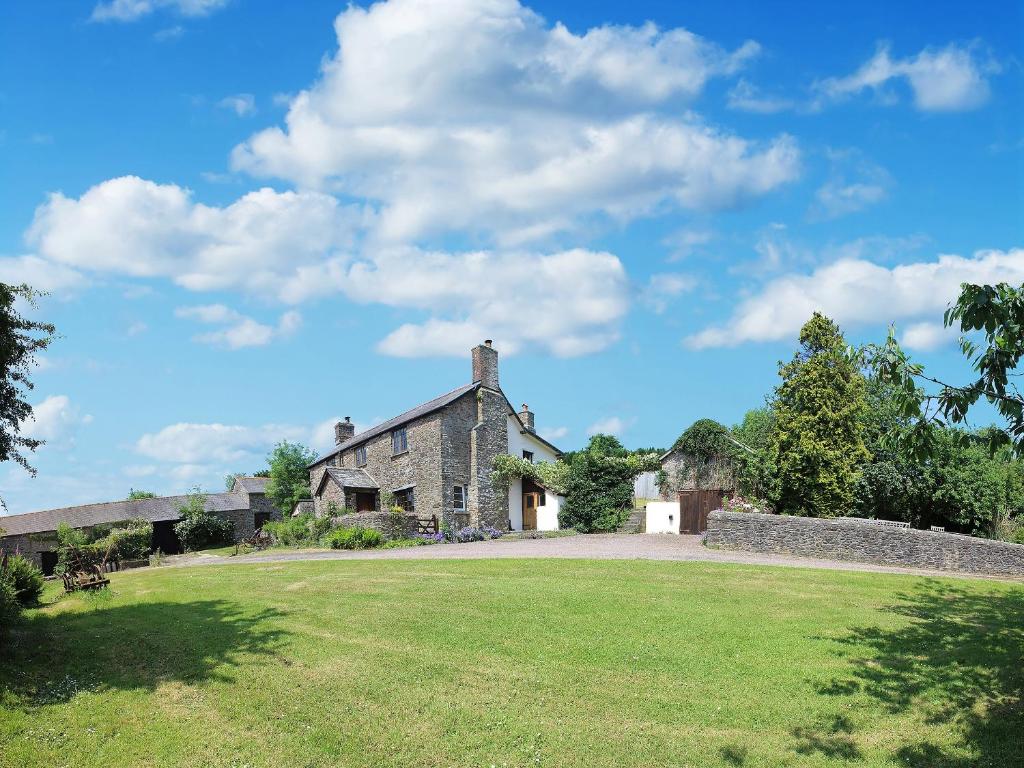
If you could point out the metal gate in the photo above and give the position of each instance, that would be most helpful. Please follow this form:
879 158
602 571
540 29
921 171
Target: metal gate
694 506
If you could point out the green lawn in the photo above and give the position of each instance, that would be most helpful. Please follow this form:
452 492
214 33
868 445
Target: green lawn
517 663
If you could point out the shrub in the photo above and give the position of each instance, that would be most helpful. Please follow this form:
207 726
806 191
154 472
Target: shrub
9 605
302 531
199 528
25 579
133 540
75 552
355 537
746 504
467 534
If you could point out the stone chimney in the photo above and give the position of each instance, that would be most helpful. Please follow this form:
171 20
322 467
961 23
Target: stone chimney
343 430
485 365
526 416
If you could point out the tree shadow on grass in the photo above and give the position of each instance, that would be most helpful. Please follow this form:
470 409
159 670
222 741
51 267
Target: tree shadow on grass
958 662
51 657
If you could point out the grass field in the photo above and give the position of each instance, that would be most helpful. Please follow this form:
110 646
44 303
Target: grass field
517 663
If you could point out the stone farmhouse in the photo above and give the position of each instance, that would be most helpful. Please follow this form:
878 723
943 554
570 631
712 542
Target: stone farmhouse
34 534
436 460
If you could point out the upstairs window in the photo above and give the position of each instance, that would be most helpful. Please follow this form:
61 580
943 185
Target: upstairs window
361 456
459 498
399 441
528 455
404 499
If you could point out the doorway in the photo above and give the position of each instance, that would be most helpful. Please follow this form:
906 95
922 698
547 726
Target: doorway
530 503
366 502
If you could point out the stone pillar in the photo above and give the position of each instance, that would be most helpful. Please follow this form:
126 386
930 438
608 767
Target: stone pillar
343 430
526 416
488 439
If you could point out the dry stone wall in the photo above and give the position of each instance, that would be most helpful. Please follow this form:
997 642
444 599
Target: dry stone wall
846 539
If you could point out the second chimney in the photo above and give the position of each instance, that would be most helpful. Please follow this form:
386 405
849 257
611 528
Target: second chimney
526 416
485 365
343 430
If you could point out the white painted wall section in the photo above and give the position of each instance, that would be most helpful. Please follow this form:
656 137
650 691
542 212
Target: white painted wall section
547 515
663 517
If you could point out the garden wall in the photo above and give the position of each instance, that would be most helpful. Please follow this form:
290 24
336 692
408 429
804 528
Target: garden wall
391 526
845 539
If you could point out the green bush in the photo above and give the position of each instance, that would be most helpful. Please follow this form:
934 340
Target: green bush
302 531
198 528
132 541
9 605
75 552
355 537
25 578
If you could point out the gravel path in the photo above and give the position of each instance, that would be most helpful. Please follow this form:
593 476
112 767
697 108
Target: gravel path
593 546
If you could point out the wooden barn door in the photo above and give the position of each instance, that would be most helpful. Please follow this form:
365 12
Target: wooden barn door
694 507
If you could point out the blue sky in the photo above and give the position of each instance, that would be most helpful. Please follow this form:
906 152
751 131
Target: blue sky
248 232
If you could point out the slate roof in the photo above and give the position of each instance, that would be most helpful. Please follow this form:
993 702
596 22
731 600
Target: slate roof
347 477
154 510
253 484
420 410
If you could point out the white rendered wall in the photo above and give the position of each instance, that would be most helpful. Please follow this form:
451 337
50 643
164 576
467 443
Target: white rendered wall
547 516
663 517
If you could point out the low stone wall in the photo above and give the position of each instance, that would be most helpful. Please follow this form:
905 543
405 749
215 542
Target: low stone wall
845 539
391 526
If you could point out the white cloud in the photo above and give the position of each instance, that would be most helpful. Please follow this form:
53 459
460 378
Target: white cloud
239 331
131 10
611 425
948 79
746 97
553 433
926 336
136 328
259 244
686 241
662 288
567 303
480 116
855 183
169 33
55 420
242 104
859 292
40 274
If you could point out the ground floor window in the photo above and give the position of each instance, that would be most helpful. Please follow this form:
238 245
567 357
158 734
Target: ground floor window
404 499
459 498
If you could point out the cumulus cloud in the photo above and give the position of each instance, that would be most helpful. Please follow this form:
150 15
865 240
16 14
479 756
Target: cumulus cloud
553 433
949 79
242 104
481 116
859 292
40 274
132 10
259 244
610 425
927 336
55 420
238 330
567 304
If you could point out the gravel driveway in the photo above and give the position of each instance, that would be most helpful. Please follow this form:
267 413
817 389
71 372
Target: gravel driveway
613 546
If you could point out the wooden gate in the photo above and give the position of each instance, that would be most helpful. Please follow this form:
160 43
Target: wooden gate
694 507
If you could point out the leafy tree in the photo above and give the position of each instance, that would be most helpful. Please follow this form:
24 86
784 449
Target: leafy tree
134 495
606 445
817 441
599 488
997 312
750 453
20 340
289 476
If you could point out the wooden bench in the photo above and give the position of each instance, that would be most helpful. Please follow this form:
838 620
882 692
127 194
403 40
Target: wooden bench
90 578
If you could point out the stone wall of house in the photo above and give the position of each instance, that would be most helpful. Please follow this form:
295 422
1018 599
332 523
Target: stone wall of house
717 474
488 439
30 545
392 526
420 466
457 422
330 494
845 539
